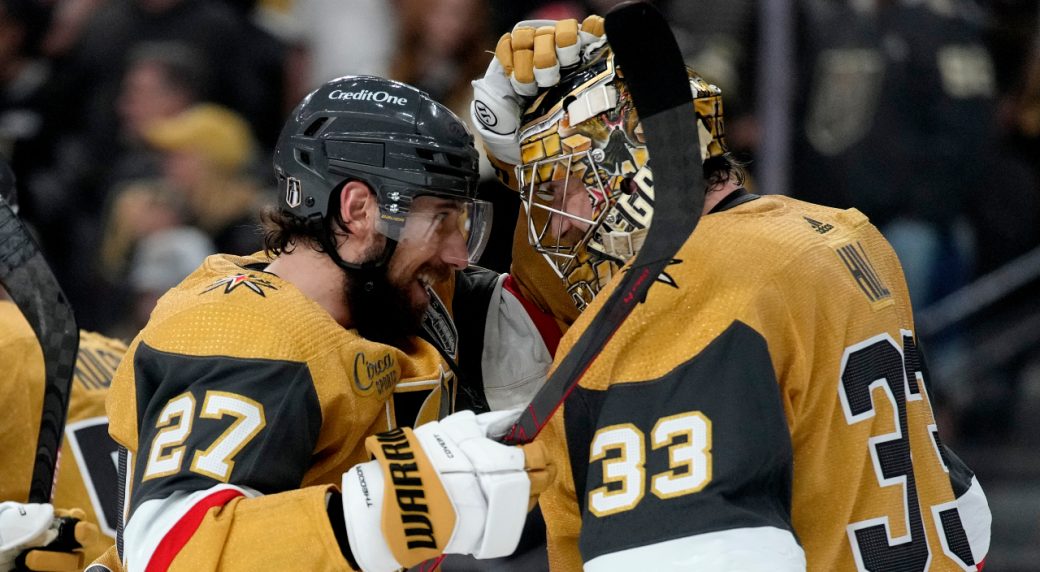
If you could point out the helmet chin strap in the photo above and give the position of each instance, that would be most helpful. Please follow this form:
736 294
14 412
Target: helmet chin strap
366 272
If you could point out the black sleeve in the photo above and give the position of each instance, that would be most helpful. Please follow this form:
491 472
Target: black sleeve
271 459
917 362
473 289
731 390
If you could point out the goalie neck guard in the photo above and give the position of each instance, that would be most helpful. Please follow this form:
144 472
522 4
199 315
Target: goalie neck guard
585 179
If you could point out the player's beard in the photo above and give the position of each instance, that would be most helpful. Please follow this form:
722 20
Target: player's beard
381 309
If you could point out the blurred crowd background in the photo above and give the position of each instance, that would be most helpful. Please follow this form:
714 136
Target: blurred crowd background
141 133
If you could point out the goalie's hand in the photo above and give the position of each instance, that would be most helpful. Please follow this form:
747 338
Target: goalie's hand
527 59
36 537
444 488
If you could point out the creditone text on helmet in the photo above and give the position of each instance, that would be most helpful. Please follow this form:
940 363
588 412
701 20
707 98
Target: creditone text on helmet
365 95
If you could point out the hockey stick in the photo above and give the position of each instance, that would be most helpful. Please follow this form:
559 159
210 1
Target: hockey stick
649 58
31 285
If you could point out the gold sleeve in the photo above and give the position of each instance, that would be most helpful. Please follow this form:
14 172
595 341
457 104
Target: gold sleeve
21 392
559 503
285 531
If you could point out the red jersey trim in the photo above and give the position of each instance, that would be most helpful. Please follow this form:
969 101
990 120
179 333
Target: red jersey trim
181 533
545 323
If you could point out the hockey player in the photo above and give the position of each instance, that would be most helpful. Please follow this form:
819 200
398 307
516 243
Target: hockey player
85 475
252 401
766 406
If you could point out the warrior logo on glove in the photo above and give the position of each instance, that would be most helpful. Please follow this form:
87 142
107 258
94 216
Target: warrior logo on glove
484 114
584 174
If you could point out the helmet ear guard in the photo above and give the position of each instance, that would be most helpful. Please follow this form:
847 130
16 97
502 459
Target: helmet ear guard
586 129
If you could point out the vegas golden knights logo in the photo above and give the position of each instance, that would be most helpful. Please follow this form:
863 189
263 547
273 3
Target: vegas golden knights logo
856 262
293 192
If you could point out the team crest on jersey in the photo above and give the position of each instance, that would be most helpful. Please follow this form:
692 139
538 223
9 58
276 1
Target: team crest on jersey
439 326
249 281
664 277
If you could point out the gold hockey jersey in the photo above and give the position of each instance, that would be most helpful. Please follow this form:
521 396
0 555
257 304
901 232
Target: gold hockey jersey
21 392
86 476
770 379
239 379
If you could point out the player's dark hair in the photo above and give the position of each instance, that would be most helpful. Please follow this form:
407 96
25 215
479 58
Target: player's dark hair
722 169
283 230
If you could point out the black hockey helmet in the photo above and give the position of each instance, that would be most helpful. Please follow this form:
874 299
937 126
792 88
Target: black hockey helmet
387 134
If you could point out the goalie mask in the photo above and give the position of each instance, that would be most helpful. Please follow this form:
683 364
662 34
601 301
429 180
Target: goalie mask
584 176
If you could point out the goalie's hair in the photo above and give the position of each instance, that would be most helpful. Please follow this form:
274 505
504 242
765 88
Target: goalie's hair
722 169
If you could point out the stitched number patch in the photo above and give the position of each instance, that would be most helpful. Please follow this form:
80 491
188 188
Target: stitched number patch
621 450
168 449
878 363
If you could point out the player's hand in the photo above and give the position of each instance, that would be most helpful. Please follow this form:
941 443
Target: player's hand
445 488
527 59
35 537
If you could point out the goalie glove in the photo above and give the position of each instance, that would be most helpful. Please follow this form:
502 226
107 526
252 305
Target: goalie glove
444 488
35 537
527 59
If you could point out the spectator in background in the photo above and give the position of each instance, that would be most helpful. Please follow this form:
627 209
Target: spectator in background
24 75
1028 104
1010 226
898 122
269 45
161 260
88 80
718 38
139 209
97 65
68 19
1006 217
162 80
339 37
208 152
441 48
